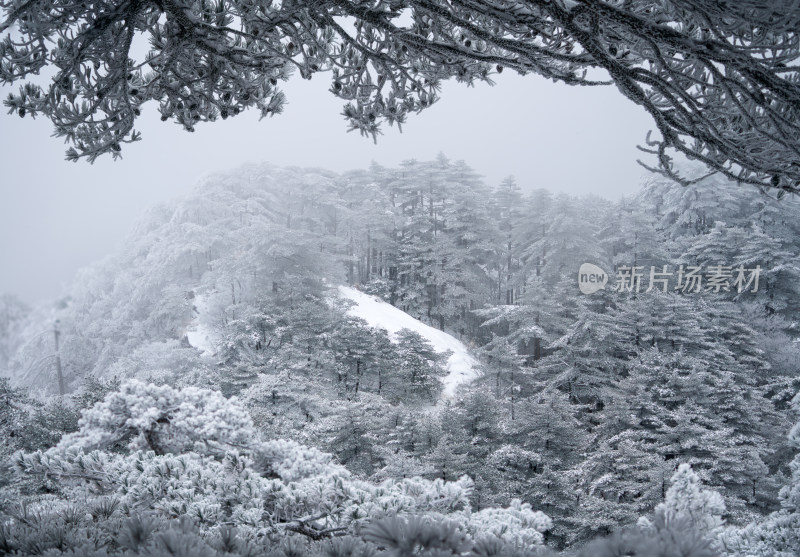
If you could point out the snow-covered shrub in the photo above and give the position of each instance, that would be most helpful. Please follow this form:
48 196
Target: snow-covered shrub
111 490
290 461
778 535
162 419
518 524
667 536
168 361
688 522
431 536
407 496
686 497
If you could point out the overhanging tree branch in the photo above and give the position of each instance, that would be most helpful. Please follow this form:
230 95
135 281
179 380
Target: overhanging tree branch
719 77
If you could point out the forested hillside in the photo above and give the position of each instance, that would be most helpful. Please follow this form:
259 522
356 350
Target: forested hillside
225 386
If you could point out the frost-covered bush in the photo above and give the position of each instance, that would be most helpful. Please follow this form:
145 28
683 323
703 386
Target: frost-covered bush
778 535
155 470
290 461
441 536
686 497
169 361
687 522
162 419
667 536
518 524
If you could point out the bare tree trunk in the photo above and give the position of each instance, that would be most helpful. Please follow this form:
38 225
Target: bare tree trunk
512 394
369 254
56 333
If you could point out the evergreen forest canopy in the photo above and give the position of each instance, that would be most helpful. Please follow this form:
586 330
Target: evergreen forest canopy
650 421
719 78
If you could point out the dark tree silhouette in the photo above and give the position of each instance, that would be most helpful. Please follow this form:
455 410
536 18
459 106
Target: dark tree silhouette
719 77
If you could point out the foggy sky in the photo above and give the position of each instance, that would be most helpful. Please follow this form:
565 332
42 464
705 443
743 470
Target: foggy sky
57 216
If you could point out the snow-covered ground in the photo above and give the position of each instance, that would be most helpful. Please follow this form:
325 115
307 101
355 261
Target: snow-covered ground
199 335
461 366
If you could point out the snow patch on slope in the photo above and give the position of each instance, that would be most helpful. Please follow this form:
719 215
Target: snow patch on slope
461 366
199 335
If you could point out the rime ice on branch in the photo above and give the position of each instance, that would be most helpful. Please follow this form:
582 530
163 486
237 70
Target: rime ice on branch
719 79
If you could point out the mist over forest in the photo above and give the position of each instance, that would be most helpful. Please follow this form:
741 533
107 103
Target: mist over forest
401 361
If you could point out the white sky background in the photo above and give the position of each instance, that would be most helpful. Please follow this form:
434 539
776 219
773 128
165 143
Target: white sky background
56 216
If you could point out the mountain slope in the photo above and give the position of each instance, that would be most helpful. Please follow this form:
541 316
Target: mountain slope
461 366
